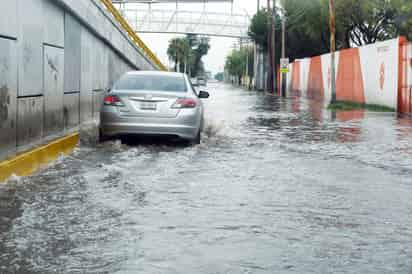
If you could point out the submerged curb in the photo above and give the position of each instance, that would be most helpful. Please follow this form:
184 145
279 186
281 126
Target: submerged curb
28 162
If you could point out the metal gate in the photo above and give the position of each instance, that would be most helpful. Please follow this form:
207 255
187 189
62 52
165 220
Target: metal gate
405 74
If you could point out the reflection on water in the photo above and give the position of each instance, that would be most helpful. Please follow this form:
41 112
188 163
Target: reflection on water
277 186
351 132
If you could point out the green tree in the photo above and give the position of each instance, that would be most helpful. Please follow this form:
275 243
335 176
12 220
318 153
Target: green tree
258 32
187 52
258 29
236 64
403 18
307 27
366 22
200 48
358 22
179 52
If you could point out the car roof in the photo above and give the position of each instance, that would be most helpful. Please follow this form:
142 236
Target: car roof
155 72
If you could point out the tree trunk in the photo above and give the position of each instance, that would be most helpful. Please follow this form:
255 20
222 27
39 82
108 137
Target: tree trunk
176 64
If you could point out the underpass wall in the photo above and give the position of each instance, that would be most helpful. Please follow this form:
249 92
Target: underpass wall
57 59
367 75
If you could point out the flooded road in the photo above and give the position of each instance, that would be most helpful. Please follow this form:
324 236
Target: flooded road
277 186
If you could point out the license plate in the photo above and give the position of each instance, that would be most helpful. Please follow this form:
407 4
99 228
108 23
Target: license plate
147 106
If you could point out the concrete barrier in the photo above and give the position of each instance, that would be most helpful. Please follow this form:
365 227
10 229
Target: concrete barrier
28 162
57 59
372 74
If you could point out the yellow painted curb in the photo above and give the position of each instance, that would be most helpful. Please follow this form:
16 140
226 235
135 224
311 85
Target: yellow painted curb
28 162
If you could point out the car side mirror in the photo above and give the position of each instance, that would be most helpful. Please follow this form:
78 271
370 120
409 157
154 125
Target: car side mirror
203 94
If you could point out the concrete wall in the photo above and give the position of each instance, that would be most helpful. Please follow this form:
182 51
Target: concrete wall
57 58
368 74
405 92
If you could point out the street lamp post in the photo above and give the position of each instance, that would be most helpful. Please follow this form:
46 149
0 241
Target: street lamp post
332 49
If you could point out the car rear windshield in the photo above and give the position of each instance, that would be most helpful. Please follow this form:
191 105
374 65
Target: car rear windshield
152 82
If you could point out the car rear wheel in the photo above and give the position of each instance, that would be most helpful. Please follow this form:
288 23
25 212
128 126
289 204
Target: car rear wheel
102 137
198 139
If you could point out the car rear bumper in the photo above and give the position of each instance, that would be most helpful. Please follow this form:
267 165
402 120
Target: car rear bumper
185 127
180 131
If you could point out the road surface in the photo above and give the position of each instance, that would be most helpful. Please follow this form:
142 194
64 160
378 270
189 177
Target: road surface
277 186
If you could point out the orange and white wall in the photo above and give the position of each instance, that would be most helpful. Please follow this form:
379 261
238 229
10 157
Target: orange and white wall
379 74
405 77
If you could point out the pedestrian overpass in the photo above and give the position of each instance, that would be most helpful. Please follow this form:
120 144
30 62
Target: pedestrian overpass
145 17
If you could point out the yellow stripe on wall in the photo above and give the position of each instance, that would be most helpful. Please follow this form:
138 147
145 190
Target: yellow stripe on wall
28 162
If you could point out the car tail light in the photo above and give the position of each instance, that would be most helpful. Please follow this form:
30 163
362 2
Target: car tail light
112 100
185 103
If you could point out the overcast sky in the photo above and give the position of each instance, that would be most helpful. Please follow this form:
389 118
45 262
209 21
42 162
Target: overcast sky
220 47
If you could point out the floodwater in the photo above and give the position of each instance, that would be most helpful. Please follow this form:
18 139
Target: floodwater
277 186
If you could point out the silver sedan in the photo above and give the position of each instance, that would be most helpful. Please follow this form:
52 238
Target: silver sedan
153 103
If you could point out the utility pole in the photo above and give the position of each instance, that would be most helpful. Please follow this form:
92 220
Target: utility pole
256 56
247 63
332 49
270 85
274 72
241 50
284 75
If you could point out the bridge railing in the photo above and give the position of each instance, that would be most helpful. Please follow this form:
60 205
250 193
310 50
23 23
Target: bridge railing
204 22
132 34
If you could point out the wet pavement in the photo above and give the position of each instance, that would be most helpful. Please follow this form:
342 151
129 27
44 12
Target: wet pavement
277 186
